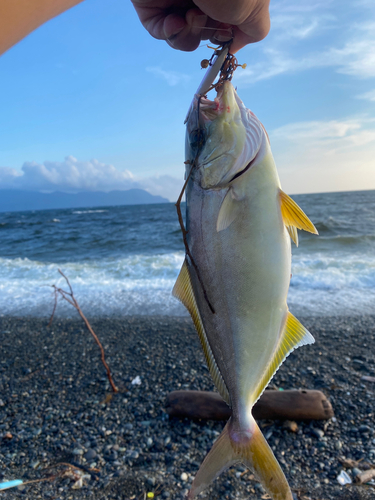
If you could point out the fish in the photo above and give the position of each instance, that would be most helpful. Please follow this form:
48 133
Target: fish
236 274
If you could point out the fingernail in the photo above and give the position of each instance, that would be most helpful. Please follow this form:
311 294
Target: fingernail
176 32
222 38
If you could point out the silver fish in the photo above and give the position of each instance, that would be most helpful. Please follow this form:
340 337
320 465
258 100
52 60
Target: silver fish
235 278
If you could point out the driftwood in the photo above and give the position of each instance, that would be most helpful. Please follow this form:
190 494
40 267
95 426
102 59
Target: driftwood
365 476
283 405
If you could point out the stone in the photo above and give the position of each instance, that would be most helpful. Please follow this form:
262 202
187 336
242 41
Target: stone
338 445
364 428
151 481
290 425
133 455
356 471
90 455
112 456
318 433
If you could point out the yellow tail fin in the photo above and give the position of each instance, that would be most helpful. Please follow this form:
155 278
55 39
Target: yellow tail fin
254 453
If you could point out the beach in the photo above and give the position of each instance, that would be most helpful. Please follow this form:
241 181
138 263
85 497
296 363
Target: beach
56 409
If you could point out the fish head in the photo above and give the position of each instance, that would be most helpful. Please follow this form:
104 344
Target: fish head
221 139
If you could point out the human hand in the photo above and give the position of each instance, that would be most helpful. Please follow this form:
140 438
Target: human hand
184 23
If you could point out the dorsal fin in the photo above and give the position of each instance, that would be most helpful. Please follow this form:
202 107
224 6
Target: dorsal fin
294 335
183 291
294 217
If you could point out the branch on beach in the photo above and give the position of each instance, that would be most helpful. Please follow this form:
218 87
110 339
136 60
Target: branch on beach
69 297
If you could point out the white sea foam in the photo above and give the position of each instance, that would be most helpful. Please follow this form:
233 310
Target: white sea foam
142 284
136 284
333 284
89 211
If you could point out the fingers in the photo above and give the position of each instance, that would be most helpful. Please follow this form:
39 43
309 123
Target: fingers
189 37
253 29
183 24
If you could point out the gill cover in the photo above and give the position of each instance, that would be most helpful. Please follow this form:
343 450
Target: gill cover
223 136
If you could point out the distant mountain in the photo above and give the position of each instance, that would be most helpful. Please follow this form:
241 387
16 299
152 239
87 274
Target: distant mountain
13 200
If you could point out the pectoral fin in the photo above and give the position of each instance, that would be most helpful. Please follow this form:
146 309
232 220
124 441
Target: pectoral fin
228 211
183 291
294 217
294 335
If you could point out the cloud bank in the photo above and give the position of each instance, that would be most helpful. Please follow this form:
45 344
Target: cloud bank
72 176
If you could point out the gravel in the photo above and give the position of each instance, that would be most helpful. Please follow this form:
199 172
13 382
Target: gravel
56 409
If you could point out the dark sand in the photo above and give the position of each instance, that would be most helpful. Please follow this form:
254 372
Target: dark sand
52 388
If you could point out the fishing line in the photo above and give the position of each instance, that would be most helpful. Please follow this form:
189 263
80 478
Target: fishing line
179 213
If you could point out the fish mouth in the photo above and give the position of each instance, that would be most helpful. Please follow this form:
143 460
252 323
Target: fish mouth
210 110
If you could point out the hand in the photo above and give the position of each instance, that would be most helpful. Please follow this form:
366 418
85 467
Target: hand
184 23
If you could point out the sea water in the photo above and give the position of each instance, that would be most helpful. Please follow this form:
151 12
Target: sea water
125 260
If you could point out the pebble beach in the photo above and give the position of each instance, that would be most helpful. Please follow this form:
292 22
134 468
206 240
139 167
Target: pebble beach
67 436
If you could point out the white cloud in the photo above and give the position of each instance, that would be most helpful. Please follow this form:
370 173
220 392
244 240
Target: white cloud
294 23
171 77
163 185
326 155
370 96
301 6
355 56
73 175
317 130
70 175
298 27
8 176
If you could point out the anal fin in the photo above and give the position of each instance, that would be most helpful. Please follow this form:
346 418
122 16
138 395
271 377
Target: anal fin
294 335
294 217
183 291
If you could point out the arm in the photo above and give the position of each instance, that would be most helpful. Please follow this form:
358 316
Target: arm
18 18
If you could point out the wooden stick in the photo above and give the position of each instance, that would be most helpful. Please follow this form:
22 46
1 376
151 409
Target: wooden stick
283 405
64 294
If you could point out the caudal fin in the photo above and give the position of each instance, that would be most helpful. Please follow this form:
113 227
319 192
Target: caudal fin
255 454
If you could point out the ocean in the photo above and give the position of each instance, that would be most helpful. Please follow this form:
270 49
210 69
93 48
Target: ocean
124 260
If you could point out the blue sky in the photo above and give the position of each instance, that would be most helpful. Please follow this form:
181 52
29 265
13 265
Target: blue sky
91 101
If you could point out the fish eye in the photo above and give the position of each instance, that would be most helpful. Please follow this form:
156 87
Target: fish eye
197 139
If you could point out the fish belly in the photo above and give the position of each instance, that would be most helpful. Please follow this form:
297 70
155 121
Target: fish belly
245 270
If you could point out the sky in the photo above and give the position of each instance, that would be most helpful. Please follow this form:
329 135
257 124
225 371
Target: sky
90 101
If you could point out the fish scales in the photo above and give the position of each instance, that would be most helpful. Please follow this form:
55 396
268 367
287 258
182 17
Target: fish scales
239 224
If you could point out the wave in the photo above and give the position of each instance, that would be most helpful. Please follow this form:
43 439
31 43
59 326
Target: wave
336 284
321 283
89 211
133 285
